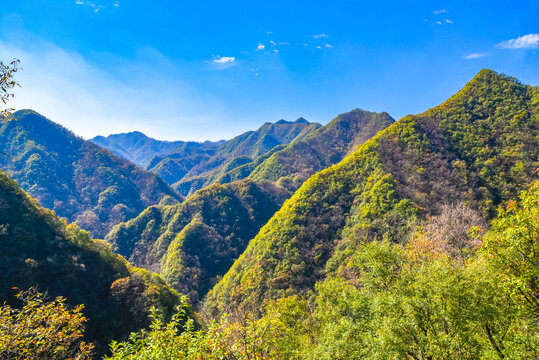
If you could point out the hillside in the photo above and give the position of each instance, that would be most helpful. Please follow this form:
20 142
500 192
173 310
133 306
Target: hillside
221 219
203 162
80 181
307 154
479 148
193 243
39 249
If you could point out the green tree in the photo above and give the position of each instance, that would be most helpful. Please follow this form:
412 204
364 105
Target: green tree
42 329
512 247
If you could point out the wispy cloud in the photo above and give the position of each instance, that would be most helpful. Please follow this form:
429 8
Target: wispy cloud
318 36
438 21
225 60
442 11
530 41
328 45
93 99
260 47
95 7
475 56
116 4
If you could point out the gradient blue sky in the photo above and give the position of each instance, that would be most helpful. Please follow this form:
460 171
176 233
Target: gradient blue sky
197 70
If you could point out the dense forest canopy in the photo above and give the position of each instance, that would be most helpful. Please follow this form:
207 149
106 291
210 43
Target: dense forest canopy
40 250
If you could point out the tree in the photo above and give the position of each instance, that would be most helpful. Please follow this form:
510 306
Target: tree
7 83
42 329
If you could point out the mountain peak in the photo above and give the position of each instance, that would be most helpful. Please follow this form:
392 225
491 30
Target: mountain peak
301 120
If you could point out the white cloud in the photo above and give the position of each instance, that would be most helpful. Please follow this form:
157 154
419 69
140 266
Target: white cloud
442 11
449 21
320 36
530 41
116 4
475 56
328 45
225 60
260 47
273 42
276 51
93 6
438 22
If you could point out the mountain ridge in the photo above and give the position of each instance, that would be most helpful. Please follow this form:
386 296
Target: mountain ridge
79 180
478 147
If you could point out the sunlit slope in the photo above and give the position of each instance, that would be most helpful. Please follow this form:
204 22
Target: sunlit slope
193 243
479 147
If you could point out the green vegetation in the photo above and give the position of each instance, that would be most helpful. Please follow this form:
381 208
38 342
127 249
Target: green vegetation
314 149
194 243
38 249
412 247
42 330
478 148
80 181
396 301
324 147
196 165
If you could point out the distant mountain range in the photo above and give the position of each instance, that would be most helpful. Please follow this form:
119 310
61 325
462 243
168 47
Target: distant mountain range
176 161
140 149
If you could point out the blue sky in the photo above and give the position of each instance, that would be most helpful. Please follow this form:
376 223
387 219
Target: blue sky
197 70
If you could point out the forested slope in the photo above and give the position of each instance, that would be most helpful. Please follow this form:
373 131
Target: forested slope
77 179
193 243
38 249
480 148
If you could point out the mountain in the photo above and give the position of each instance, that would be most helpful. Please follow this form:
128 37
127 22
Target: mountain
479 148
202 161
38 249
79 180
135 146
308 153
219 220
193 243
